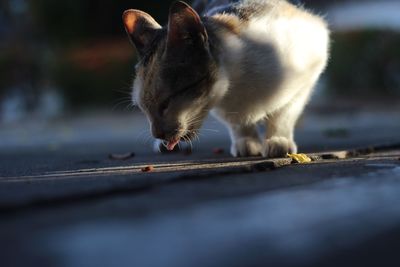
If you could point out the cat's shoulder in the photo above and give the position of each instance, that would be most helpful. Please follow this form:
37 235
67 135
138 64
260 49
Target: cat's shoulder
238 15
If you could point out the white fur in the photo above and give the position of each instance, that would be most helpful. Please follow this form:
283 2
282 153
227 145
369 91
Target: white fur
272 66
220 88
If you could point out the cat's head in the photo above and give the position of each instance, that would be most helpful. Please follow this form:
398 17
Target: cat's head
176 73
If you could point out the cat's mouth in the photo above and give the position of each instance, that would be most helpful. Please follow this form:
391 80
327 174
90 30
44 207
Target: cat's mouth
172 143
188 137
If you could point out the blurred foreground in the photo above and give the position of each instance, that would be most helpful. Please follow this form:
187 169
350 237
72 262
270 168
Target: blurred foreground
66 203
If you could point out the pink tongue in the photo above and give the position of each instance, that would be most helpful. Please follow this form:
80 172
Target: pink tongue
172 144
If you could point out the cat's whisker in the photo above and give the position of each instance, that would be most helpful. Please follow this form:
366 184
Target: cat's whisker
126 91
165 143
183 139
130 106
123 91
125 97
196 136
187 140
198 118
149 138
158 147
210 130
141 135
193 121
120 102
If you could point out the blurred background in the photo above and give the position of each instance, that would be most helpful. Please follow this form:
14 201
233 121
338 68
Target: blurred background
69 56
63 59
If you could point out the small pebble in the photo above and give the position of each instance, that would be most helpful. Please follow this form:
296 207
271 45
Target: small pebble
149 168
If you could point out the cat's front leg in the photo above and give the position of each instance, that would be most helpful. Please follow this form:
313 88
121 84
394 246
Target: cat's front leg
278 147
279 140
245 141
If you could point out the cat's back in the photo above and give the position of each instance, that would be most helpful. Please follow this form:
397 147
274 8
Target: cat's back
247 11
270 50
299 36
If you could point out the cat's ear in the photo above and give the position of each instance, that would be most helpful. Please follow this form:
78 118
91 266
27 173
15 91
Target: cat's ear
184 24
141 28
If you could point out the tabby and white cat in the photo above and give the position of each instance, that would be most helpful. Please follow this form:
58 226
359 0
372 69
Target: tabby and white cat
249 61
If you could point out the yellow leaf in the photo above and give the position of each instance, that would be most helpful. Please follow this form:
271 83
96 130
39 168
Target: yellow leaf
300 158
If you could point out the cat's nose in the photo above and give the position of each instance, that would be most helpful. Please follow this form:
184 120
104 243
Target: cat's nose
163 133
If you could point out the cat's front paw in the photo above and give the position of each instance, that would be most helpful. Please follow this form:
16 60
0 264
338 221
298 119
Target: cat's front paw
159 147
278 147
246 147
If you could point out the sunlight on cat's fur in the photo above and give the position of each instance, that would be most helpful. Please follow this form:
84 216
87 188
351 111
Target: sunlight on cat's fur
248 62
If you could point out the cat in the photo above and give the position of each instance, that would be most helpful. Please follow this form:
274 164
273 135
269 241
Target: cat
246 61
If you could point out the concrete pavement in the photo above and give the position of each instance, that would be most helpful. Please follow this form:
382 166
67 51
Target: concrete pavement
63 202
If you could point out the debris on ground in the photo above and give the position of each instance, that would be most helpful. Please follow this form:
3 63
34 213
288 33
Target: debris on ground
124 156
300 158
149 168
218 151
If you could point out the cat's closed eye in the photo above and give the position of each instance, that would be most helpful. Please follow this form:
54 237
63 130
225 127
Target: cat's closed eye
165 104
